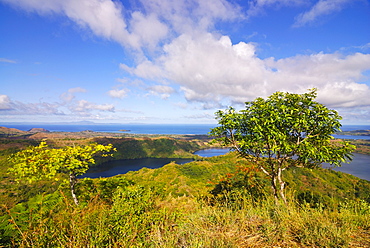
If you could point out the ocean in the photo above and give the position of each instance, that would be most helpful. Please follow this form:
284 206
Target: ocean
197 129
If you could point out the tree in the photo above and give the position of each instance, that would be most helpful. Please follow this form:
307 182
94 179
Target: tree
42 162
282 131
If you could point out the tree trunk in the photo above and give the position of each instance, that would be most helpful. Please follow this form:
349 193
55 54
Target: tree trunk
282 185
274 188
72 183
278 185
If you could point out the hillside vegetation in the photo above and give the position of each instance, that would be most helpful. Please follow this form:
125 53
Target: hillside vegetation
211 202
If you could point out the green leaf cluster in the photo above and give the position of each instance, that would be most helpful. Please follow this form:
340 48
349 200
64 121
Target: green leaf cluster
42 162
284 130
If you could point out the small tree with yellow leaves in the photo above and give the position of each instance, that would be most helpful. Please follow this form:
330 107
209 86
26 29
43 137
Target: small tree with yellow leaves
42 162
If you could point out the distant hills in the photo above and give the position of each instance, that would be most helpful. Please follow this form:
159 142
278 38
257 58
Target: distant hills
356 132
11 132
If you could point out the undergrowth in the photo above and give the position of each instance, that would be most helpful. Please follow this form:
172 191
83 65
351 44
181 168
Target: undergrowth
138 216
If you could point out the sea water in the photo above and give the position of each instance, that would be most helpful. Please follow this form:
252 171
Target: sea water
197 129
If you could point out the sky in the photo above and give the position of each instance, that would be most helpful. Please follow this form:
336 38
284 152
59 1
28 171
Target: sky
165 61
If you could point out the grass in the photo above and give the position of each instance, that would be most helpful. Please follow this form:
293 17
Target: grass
139 217
172 207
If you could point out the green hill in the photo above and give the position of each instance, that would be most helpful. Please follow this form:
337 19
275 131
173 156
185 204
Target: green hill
211 202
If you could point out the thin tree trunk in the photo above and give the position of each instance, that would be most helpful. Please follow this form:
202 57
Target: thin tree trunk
282 186
72 183
274 188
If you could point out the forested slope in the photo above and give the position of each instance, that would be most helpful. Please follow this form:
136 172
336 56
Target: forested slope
211 202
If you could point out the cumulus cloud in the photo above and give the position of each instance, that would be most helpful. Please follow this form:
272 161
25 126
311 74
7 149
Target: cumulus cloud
207 67
68 105
185 16
149 29
162 90
18 108
117 93
70 94
85 106
104 18
146 69
321 8
210 68
335 76
145 29
5 103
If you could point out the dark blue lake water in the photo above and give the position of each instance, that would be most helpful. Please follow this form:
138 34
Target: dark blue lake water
123 166
212 152
359 166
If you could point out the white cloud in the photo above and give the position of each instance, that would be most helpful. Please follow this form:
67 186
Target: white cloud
205 116
321 8
149 30
145 69
8 61
18 108
185 16
162 90
345 94
256 7
118 93
78 107
85 106
207 67
210 70
4 102
103 17
158 20
70 94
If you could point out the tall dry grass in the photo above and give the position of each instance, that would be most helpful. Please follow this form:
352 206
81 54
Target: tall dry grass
139 217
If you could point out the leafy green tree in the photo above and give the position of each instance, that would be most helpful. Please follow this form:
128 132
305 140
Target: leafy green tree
282 131
42 162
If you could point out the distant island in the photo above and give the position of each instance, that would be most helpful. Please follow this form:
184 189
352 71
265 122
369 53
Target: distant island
38 130
356 132
124 130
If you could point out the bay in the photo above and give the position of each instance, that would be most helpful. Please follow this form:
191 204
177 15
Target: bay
359 166
122 166
212 152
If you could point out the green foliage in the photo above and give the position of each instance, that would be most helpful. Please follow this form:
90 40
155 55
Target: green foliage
28 215
171 207
130 148
247 181
41 162
103 188
285 130
142 209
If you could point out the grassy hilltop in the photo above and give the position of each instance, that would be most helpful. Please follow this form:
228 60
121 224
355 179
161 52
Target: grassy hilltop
211 202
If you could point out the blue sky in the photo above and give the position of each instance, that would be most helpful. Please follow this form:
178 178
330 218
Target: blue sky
164 61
